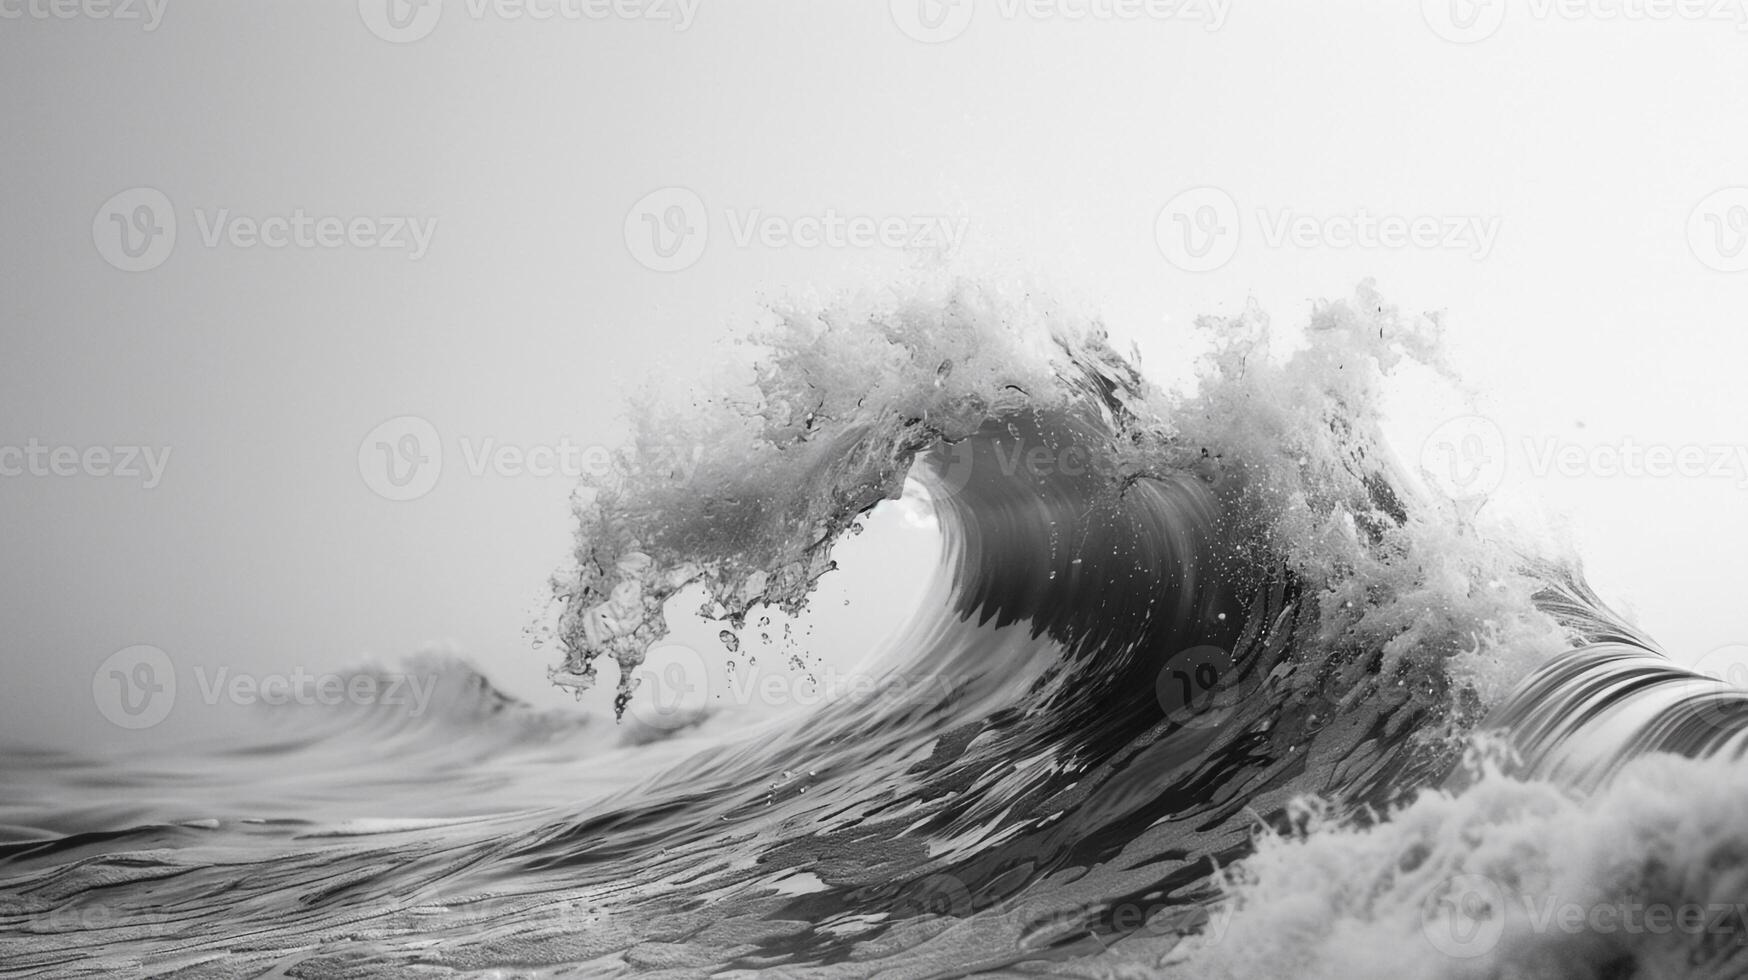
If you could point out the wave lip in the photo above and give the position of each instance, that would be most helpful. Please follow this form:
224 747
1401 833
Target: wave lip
1587 715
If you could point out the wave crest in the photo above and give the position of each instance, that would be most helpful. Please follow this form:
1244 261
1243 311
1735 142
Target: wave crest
847 398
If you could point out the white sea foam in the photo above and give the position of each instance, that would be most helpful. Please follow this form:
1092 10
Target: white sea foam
1648 878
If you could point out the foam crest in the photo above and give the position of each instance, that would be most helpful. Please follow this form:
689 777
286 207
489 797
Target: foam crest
1523 879
841 401
746 491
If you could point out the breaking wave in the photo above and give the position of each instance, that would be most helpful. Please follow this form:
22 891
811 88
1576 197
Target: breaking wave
1191 694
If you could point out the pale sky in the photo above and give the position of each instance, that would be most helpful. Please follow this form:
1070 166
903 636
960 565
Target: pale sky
520 149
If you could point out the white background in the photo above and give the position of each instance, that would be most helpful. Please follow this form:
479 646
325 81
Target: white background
1591 139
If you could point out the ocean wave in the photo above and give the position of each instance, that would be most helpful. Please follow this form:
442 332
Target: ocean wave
1194 660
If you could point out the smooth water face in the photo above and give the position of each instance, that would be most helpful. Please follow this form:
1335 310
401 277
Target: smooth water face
1157 626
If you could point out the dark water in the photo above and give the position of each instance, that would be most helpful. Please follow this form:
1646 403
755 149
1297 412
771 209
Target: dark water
1160 621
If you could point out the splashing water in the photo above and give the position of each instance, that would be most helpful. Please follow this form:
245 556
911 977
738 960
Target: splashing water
1189 695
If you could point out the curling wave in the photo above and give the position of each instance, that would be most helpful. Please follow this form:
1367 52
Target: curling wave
1164 623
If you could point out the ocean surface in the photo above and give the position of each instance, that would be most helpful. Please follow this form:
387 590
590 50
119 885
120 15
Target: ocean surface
1208 684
